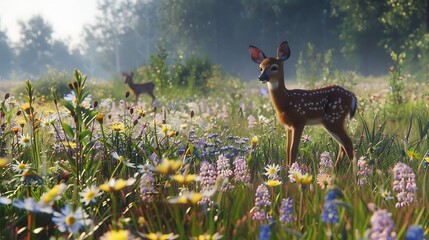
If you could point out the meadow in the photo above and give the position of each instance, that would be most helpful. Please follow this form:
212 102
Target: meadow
90 165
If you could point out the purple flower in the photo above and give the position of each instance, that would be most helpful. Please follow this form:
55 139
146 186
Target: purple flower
294 168
147 188
404 184
208 177
262 200
286 210
382 226
224 171
363 172
241 172
326 164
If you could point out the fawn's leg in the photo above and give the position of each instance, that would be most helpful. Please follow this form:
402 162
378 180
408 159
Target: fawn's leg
296 139
289 133
340 135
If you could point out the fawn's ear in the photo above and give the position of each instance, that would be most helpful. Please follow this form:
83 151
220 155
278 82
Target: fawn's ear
283 51
256 54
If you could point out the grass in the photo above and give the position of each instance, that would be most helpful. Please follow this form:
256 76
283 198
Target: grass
126 168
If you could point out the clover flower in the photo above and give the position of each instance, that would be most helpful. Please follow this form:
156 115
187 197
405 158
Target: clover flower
404 184
251 121
363 171
241 172
70 221
286 210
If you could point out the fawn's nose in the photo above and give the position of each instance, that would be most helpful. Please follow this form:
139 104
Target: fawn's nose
263 77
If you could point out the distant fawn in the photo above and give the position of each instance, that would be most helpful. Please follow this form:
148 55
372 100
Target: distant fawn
139 88
295 109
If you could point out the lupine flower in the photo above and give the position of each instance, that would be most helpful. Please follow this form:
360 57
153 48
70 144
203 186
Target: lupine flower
224 171
207 236
114 185
295 168
147 185
363 172
241 172
382 226
31 205
89 194
262 200
208 179
286 210
25 140
264 232
330 208
326 164
160 236
117 235
272 170
404 184
70 221
415 232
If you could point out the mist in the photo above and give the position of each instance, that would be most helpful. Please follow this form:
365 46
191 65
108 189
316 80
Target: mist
126 34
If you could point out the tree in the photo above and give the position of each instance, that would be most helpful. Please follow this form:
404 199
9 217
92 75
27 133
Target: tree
7 56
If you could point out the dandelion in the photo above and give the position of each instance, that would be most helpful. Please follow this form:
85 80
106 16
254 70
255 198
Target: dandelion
363 172
262 200
70 221
224 171
330 208
286 210
382 226
241 172
31 205
415 232
114 185
404 184
89 194
117 235
117 126
160 236
19 167
168 166
293 169
272 170
25 140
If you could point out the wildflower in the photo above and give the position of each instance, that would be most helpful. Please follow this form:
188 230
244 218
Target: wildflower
115 185
271 171
117 126
326 164
207 236
168 166
5 200
262 200
264 232
69 144
254 141
89 194
415 232
70 221
29 177
382 225
123 160
330 208
404 184
323 180
286 210
3 162
413 155
117 235
31 205
426 161
303 179
19 167
147 185
208 177
71 97
251 120
363 172
191 197
386 195
241 173
160 236
53 194
25 140
273 183
293 169
224 171
185 179
99 118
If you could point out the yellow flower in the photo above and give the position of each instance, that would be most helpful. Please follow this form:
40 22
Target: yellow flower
188 198
53 194
185 179
115 185
273 183
165 128
427 159
302 179
117 235
160 236
168 166
254 140
99 117
69 144
117 126
3 162
412 155
207 236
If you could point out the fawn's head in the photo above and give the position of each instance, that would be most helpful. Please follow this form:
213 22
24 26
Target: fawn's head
128 77
271 68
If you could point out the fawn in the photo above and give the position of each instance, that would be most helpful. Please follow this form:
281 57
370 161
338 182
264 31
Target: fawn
137 88
295 109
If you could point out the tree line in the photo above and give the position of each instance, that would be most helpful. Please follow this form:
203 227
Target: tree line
359 35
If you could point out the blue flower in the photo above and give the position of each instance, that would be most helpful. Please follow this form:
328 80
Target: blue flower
415 232
330 208
264 232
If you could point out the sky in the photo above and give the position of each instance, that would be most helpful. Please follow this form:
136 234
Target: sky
67 17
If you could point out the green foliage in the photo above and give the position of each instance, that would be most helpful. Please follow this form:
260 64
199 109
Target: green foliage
53 79
396 83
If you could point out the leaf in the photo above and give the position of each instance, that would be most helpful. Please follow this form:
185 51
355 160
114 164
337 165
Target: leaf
68 129
84 134
67 104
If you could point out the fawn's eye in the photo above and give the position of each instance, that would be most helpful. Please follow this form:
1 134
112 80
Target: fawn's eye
260 69
274 68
